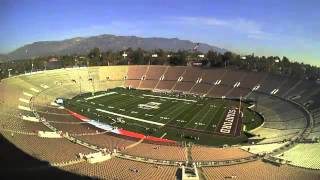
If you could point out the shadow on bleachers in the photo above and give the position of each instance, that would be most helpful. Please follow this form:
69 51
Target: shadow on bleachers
15 164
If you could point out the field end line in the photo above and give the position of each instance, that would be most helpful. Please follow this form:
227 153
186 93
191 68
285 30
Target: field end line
169 98
100 95
129 117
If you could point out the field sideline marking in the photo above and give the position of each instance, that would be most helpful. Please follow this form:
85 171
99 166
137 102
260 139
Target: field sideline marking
163 135
129 117
188 100
100 95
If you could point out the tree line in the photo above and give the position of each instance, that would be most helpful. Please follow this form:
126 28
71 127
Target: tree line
211 59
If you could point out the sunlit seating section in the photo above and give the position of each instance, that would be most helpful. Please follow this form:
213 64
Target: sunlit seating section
262 148
272 135
240 83
64 122
136 72
225 82
12 90
155 151
219 90
282 121
259 170
52 150
203 153
76 129
58 116
171 77
134 76
209 77
303 155
124 169
201 88
109 141
111 76
16 123
152 76
238 92
190 77
315 132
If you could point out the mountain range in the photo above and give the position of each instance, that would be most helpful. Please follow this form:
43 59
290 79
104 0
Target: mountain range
82 45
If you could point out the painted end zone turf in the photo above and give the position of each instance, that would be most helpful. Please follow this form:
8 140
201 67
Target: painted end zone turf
118 131
231 124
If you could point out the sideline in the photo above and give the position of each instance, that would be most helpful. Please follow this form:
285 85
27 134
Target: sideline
162 97
129 117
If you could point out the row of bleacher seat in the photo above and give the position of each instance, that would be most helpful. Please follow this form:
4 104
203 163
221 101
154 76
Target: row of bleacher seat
52 150
158 151
203 153
286 87
104 75
259 170
124 169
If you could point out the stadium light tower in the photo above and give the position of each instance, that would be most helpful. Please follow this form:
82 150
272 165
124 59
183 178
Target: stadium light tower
153 56
9 72
92 83
80 84
32 66
75 62
124 55
93 87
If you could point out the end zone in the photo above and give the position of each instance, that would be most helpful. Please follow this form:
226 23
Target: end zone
231 124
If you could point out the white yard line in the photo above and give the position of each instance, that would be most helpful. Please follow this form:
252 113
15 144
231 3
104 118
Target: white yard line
188 100
163 135
100 95
129 117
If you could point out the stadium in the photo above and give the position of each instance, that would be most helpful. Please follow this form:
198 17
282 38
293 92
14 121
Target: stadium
162 122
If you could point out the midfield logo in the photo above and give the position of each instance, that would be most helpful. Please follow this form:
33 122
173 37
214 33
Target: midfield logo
149 105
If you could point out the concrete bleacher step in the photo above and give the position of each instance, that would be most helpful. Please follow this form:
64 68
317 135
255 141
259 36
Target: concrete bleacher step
67 163
134 144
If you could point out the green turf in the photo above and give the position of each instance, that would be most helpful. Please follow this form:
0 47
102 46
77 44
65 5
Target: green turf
179 116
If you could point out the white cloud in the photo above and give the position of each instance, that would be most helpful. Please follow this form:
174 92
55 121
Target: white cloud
252 29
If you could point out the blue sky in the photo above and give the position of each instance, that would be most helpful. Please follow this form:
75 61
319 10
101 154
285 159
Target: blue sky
274 27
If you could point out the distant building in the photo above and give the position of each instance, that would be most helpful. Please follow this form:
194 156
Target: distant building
196 63
54 63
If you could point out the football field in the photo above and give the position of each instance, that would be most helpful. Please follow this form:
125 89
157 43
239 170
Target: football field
168 115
